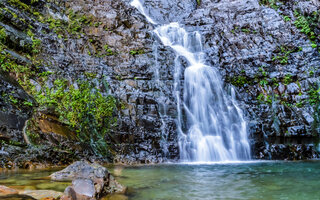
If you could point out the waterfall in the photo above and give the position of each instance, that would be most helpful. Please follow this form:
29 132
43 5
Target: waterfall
213 128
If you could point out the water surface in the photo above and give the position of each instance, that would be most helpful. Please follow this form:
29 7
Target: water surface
249 180
32 180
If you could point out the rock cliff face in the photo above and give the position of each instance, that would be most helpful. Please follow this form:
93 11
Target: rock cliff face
105 42
264 49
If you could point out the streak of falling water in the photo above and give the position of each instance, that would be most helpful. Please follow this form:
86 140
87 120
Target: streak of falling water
161 101
214 129
138 5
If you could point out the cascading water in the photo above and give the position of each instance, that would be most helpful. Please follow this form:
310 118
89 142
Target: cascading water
214 129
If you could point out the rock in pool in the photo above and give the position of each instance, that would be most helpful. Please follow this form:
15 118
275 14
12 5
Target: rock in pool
89 181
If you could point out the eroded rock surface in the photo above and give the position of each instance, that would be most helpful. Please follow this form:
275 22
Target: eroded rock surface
89 181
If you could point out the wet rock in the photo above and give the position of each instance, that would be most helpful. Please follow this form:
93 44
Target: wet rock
296 130
89 181
292 152
42 194
19 197
293 88
169 11
306 7
84 187
6 190
115 197
12 117
308 118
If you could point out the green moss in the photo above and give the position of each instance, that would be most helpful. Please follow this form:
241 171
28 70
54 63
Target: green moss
264 99
34 1
245 30
9 65
137 52
302 24
286 18
314 96
283 55
239 81
74 26
311 73
36 43
76 22
90 75
274 82
287 79
97 24
13 100
307 24
270 3
19 4
14 15
314 100
3 34
108 51
28 103
300 104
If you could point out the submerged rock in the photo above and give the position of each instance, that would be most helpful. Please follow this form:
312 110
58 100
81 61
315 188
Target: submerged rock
42 194
10 193
6 190
89 181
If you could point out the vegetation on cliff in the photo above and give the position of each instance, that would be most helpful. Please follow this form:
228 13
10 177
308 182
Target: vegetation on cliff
86 108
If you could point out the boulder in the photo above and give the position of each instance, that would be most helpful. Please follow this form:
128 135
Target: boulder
89 181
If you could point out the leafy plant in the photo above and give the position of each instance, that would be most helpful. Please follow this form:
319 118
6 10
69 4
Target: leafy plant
84 109
270 3
303 24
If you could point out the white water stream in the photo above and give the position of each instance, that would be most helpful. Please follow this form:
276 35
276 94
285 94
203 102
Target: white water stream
214 129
